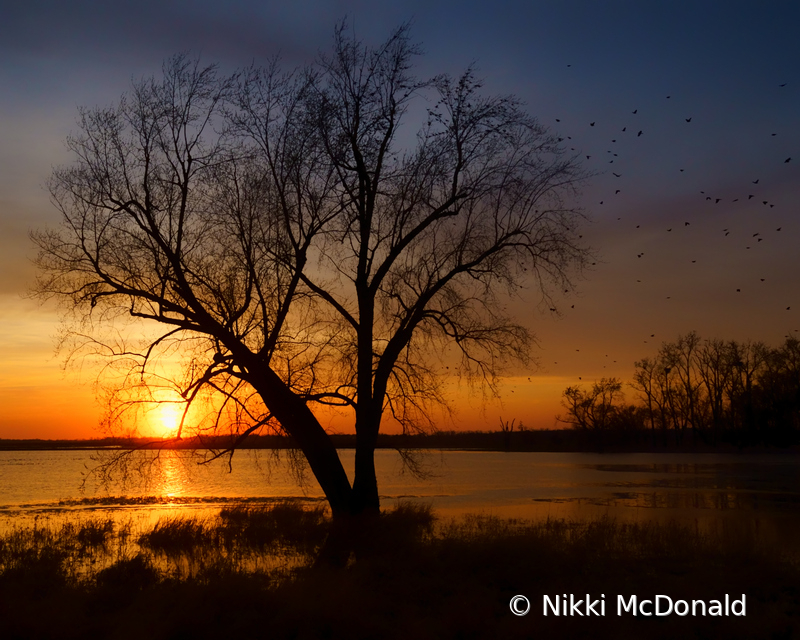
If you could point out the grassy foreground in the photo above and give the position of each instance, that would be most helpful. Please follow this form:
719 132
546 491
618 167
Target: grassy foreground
249 573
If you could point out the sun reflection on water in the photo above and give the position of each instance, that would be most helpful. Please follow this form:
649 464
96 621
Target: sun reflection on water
174 475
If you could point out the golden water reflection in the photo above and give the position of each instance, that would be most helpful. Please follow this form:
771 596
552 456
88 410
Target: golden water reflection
692 488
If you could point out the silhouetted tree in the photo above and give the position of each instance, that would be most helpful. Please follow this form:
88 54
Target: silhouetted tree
715 375
594 409
316 237
507 428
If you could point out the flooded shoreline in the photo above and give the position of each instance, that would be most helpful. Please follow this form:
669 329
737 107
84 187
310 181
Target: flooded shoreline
762 491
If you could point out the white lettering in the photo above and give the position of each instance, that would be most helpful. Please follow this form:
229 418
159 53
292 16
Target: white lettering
733 606
590 604
715 608
553 607
678 605
658 605
641 607
573 606
694 605
631 606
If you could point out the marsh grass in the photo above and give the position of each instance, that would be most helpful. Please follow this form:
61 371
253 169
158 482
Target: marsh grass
251 571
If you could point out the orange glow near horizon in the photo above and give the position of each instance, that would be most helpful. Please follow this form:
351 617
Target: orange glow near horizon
38 399
166 418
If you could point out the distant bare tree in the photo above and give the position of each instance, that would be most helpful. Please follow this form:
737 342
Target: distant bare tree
715 375
594 409
299 243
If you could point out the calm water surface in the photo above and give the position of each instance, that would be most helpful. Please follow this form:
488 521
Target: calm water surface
531 485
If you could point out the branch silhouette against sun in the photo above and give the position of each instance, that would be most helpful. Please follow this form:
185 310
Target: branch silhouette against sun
324 237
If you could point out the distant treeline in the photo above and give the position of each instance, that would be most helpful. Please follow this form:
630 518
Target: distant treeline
710 391
509 439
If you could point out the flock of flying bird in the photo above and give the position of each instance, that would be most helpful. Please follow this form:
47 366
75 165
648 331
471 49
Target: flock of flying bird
750 194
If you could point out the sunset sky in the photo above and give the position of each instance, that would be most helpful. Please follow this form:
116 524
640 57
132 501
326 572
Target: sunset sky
688 114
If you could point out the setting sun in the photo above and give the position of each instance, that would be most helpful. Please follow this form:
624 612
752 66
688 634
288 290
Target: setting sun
167 419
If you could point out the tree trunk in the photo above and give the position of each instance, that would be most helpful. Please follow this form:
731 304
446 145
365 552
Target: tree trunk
365 484
302 425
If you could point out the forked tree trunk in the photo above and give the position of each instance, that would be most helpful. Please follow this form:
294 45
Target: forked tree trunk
302 425
351 533
354 509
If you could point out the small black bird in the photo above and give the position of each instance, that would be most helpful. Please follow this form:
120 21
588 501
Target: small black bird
787 160
616 175
756 181
688 119
638 134
591 124
634 111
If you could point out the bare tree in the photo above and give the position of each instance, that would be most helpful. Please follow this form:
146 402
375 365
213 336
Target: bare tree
715 373
301 243
645 381
594 409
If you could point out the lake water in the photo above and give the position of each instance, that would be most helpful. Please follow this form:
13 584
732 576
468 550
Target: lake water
760 491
